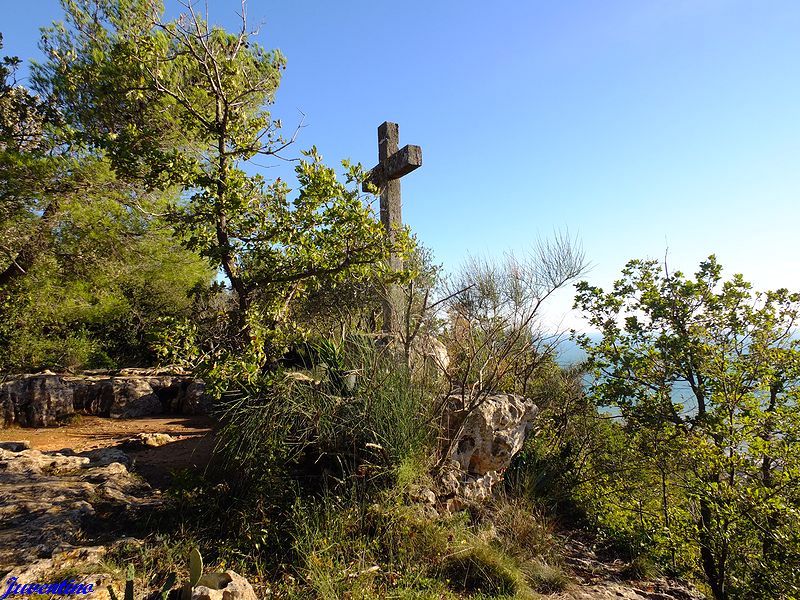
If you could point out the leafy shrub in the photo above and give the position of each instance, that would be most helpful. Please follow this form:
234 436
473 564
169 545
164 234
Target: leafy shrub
97 296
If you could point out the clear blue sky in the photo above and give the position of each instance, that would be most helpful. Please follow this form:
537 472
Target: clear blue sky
639 125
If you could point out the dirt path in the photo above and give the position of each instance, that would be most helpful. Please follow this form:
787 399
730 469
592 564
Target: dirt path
191 449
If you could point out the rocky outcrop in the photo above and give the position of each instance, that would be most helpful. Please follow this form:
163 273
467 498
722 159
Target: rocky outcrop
482 441
44 399
599 579
35 400
55 501
658 590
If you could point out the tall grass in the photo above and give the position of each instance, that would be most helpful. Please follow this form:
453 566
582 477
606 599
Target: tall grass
355 411
388 550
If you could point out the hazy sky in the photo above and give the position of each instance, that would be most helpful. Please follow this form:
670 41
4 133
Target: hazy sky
638 125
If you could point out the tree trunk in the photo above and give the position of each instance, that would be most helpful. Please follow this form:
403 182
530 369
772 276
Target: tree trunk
713 568
25 258
714 572
767 539
225 252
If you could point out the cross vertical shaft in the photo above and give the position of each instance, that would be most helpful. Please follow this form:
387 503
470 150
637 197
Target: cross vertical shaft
391 204
393 163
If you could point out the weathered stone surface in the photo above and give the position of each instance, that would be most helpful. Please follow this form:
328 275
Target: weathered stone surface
195 401
597 579
42 400
33 462
223 586
493 432
398 164
106 456
36 399
134 397
660 589
485 439
50 501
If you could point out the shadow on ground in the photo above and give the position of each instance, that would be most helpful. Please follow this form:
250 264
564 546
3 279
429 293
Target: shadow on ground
191 449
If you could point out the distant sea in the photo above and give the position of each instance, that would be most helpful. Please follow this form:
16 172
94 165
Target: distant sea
569 353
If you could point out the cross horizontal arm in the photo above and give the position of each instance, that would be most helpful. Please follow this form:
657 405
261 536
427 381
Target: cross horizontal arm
398 164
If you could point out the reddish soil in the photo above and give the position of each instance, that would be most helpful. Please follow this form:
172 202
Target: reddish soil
194 441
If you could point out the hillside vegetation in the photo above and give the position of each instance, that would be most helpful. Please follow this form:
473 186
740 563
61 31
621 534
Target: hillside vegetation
134 232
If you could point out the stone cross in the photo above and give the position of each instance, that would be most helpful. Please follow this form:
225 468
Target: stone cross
393 163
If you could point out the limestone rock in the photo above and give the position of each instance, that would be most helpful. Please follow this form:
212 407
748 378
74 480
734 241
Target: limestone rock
597 578
42 400
223 586
485 439
61 560
107 456
134 398
424 500
38 400
152 371
493 433
51 500
426 349
149 440
195 401
660 589
33 462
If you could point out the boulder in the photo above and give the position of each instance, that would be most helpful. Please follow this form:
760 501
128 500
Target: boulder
426 349
484 439
194 400
134 397
37 400
92 395
223 586
492 433
106 456
149 440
